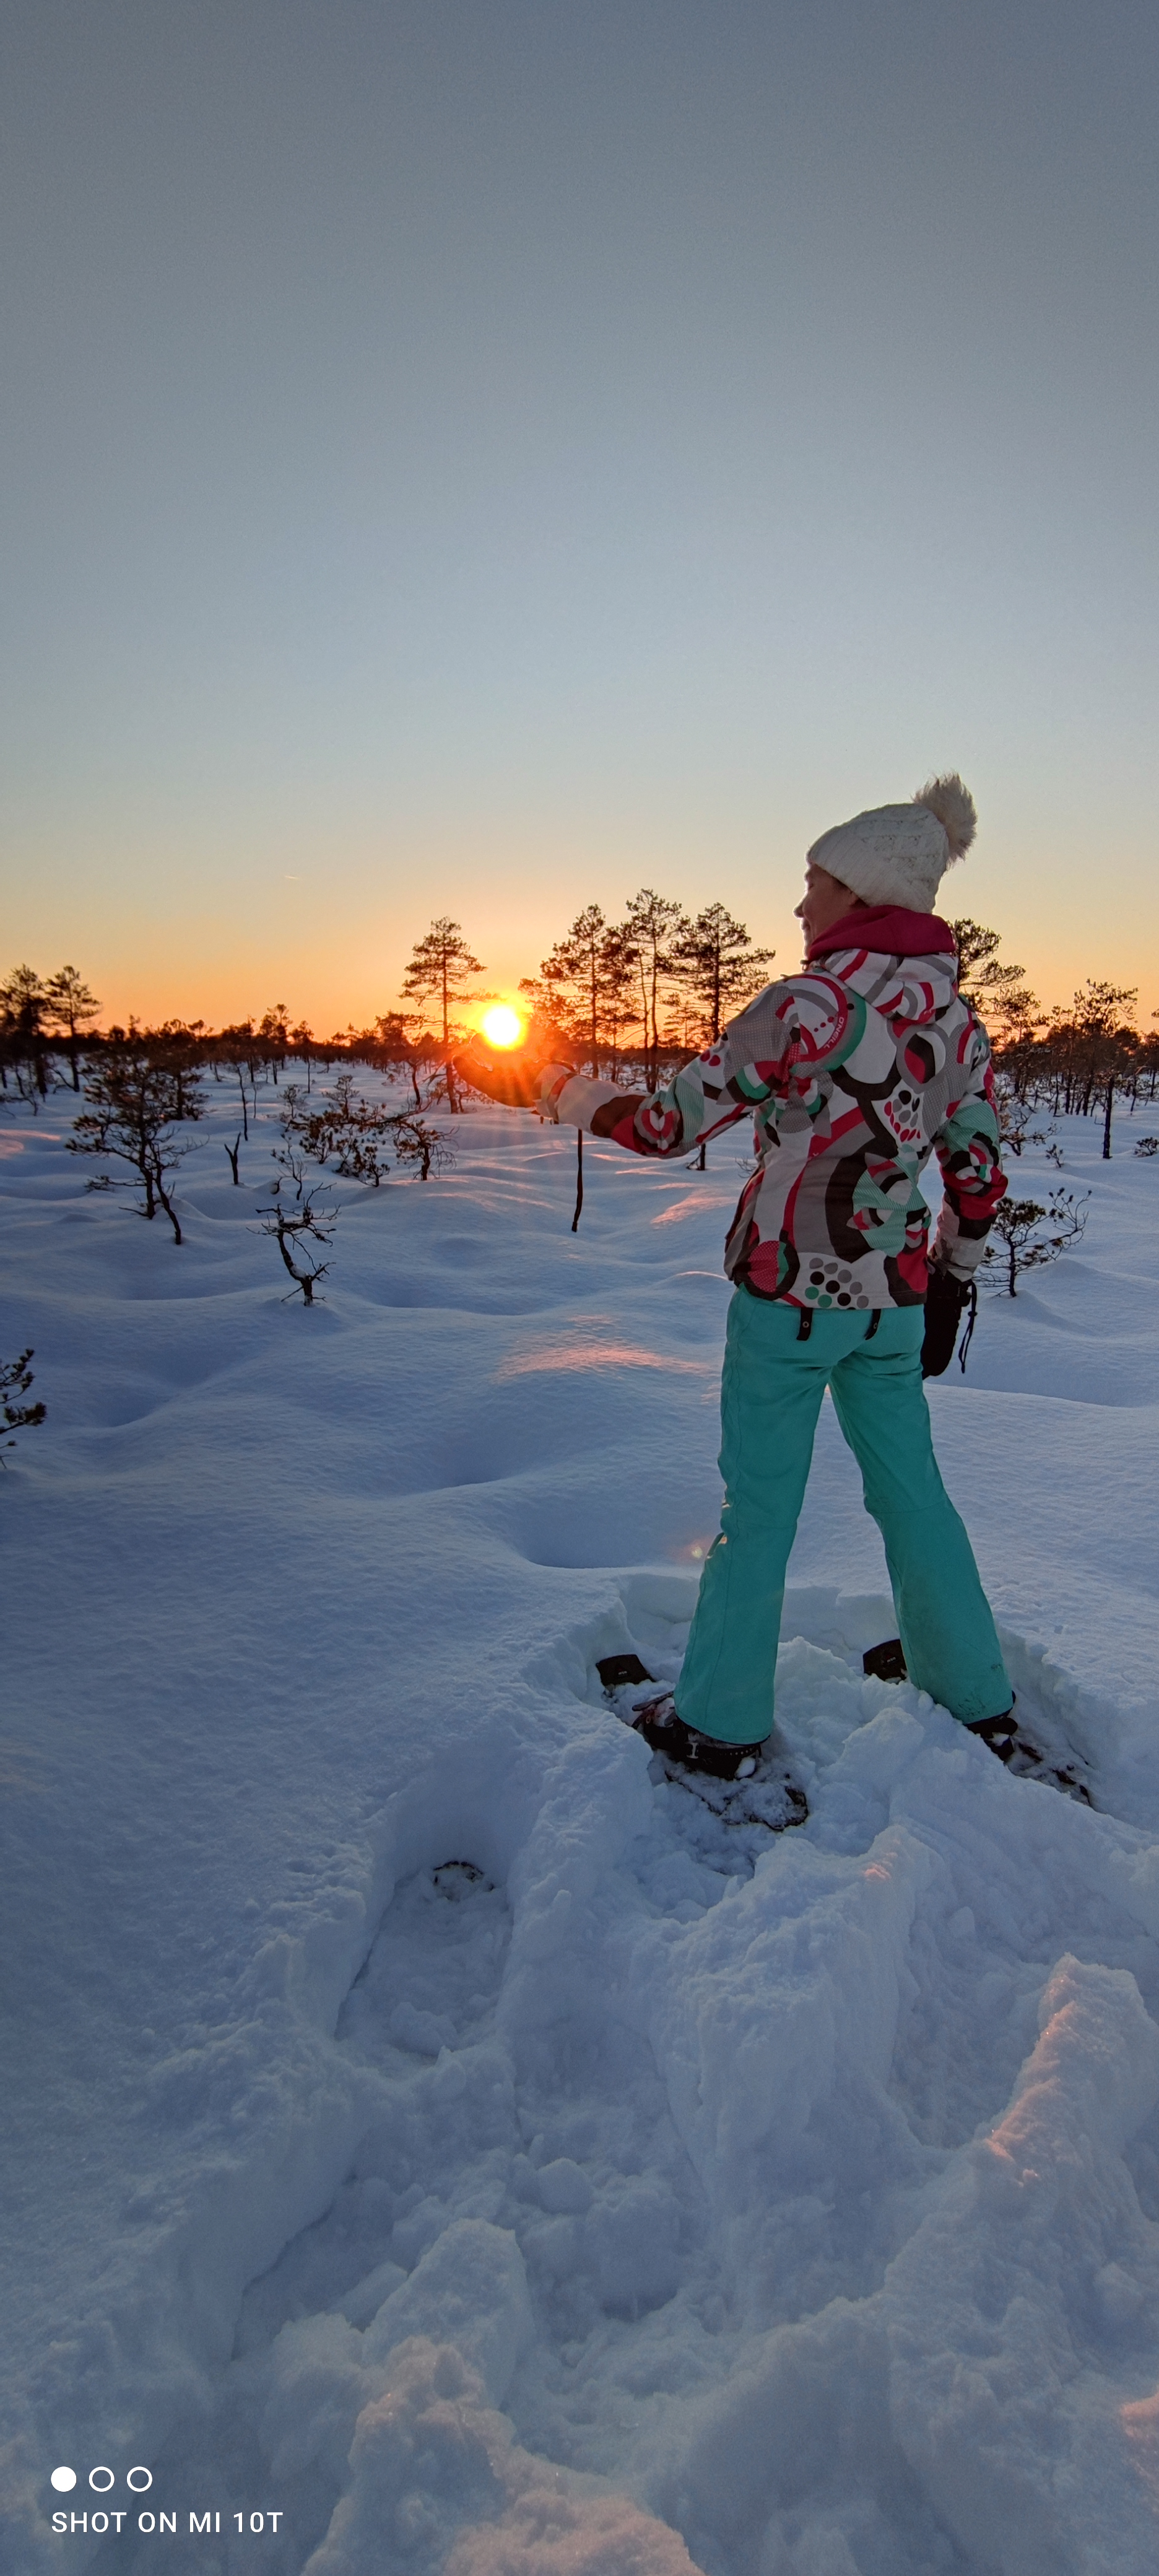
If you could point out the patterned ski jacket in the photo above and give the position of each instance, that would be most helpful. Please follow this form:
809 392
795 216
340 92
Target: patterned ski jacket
854 1070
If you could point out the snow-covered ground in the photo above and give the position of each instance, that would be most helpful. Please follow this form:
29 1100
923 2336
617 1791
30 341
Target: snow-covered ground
422 2125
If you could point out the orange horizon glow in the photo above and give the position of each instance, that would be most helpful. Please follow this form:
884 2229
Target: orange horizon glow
333 981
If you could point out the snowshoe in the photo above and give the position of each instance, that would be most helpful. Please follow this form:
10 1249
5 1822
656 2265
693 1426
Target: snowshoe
742 1784
886 1662
656 1720
1000 1733
1024 1759
1058 1766
615 1670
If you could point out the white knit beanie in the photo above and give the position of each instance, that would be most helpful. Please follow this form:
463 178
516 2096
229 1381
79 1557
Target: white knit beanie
900 853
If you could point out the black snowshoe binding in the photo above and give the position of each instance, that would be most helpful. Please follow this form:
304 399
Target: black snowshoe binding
1004 1736
656 1720
1000 1733
740 1782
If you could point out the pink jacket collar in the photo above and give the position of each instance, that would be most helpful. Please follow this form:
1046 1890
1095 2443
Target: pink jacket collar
888 930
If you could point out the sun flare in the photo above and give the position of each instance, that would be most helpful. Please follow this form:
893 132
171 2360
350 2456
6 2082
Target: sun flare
502 1027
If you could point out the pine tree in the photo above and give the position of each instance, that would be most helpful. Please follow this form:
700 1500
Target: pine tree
998 993
274 1031
394 1045
654 926
302 1042
573 980
24 1004
584 986
1102 1015
71 1004
179 1045
720 965
619 987
238 1046
438 965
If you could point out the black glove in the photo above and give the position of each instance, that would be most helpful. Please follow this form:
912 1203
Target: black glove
945 1299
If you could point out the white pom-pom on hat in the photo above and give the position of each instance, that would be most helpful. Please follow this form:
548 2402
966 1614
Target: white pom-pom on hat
899 854
955 809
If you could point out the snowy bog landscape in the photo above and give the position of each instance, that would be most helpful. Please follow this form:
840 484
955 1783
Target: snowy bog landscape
436 2142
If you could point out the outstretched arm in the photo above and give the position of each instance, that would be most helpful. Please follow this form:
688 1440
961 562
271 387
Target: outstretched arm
695 1106
771 1050
773 1047
687 1112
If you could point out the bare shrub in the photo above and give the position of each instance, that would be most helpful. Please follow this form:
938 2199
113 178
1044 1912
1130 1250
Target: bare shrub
297 1220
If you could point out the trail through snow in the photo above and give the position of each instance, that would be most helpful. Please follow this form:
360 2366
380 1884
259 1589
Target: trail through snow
425 2121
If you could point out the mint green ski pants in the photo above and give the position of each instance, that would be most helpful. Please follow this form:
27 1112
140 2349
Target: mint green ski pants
771 1396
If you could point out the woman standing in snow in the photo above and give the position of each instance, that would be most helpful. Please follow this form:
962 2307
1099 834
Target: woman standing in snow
854 1071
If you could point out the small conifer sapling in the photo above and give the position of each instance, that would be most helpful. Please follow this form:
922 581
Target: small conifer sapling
1031 1235
15 1380
133 1105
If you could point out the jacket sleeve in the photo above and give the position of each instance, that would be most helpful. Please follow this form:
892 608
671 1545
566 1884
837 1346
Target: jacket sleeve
728 1081
968 1147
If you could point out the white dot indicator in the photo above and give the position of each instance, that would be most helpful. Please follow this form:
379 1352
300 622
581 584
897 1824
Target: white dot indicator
63 2479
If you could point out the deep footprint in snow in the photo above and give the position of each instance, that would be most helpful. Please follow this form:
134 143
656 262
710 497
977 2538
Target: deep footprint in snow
427 1990
421 2012
519 2190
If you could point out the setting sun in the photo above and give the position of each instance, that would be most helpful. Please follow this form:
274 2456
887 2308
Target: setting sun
502 1027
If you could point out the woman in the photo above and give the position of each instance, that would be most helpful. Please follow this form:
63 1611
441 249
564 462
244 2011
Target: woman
855 1070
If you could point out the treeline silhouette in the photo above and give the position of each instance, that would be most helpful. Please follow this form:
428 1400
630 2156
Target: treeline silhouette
629 999
636 994
1077 1059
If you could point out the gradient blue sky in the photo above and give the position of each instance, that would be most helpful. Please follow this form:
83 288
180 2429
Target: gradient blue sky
481 458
